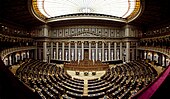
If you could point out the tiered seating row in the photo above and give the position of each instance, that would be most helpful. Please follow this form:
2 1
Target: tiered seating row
122 81
49 81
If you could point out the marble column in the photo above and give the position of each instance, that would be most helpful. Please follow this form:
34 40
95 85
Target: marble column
45 51
20 56
103 51
10 59
146 54
52 56
127 51
28 54
75 51
63 50
35 52
136 51
45 30
56 50
127 30
121 51
115 49
109 51
39 53
165 60
82 46
13 58
133 54
96 51
69 51
152 56
90 51
160 59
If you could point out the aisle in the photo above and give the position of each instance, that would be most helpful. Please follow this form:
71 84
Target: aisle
85 92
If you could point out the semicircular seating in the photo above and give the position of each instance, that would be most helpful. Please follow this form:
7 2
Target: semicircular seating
51 81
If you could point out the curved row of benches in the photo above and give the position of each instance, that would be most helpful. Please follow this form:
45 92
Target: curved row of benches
123 81
50 81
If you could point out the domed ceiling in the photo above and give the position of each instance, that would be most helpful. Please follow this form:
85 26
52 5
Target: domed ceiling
116 8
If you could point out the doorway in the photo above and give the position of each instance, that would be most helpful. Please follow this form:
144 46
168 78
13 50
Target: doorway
86 54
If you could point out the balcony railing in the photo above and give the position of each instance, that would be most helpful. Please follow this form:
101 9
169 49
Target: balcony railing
150 90
6 52
164 51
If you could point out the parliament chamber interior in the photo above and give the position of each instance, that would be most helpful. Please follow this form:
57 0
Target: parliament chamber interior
84 49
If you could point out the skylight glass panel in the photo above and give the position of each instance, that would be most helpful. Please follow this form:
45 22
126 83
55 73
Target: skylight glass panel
53 8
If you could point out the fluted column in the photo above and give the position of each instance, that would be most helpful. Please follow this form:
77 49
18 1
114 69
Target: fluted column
136 51
57 51
146 54
82 46
103 51
133 54
127 51
45 51
75 50
10 60
13 58
89 50
121 51
51 50
127 30
35 52
160 59
45 30
96 51
69 50
152 58
165 61
28 54
39 54
115 54
20 56
109 51
63 44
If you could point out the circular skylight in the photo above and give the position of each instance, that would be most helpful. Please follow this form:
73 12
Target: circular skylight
53 8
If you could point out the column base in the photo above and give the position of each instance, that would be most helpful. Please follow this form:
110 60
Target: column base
44 60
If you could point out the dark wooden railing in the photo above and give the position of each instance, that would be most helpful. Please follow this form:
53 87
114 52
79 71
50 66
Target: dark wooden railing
86 65
11 87
148 91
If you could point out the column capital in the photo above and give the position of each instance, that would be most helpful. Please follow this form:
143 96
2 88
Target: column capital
109 42
103 41
96 41
63 41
